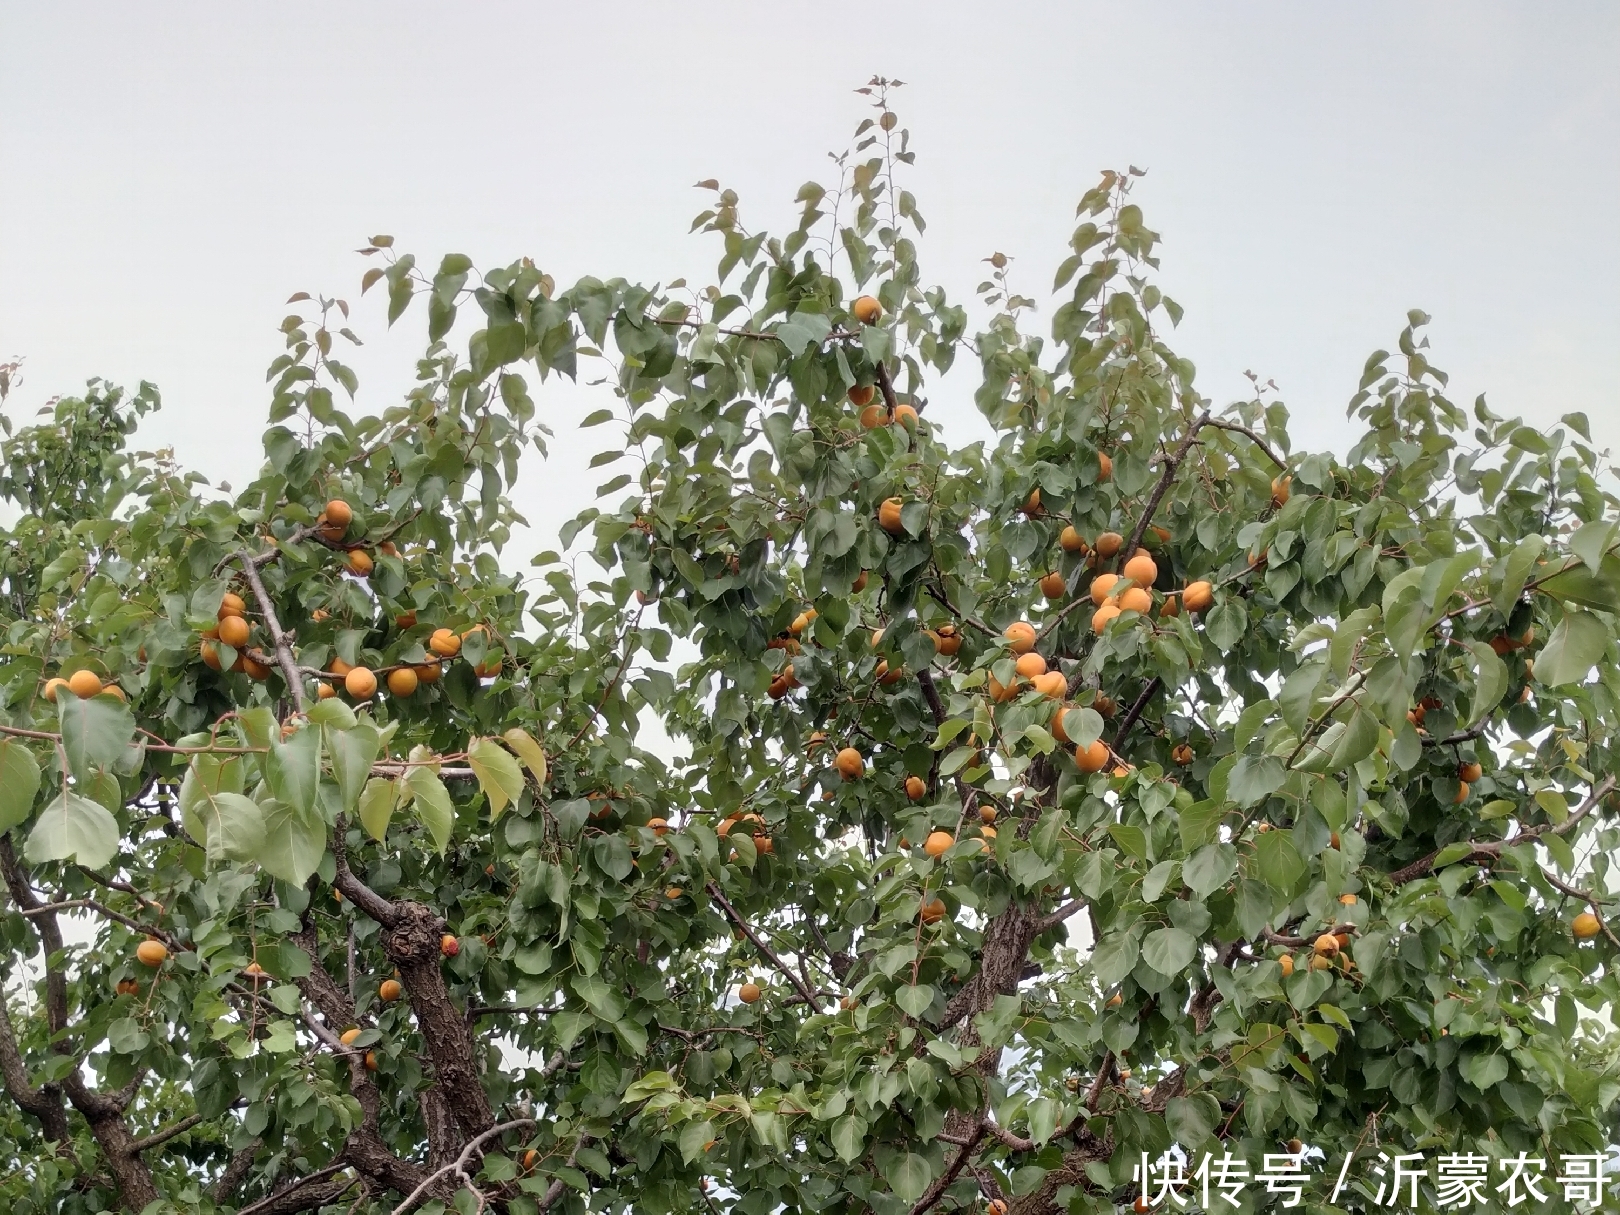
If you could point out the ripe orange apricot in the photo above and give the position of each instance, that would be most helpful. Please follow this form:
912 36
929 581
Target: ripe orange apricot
866 309
889 516
1058 732
1585 926
1032 507
405 620
1461 795
1109 544
947 640
1135 600
1287 964
348 1036
874 416
84 684
1198 596
324 691
1105 466
1094 758
1183 754
749 993
1101 617
390 990
231 604
987 814
1326 945
234 631
938 843
1020 636
849 763
906 415
861 395
1142 570
210 653
253 668
1030 665
1071 541
371 1061
54 685
1001 692
1101 585
1053 586
916 788
402 681
360 561
152 952
1281 488
444 643
339 514
1054 685
1171 605
1469 772
360 683
932 911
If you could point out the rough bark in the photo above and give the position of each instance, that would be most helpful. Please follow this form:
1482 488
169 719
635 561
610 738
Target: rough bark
413 946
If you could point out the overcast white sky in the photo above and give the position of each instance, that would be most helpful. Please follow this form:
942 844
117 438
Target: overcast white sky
172 172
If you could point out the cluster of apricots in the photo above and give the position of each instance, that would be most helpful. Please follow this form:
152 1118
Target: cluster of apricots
82 683
359 682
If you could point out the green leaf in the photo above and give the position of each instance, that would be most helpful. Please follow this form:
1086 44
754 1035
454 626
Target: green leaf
909 1177
529 751
73 828
1516 569
1254 778
1573 649
293 842
1114 958
95 732
1169 951
849 1137
234 826
19 783
1210 868
1490 681
1485 1071
648 1084
694 1136
332 712
1226 623
433 807
352 753
498 774
1190 1120
377 803
1278 861
293 769
915 998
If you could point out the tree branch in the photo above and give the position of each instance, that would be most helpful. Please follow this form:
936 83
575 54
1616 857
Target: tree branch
1238 428
1494 848
157 1138
1171 463
278 639
459 1164
748 931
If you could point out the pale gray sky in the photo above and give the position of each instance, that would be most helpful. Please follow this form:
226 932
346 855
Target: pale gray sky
172 172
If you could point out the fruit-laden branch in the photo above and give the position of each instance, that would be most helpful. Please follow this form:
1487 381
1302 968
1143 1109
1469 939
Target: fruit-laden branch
278 639
1494 848
1593 901
1238 428
747 930
458 1166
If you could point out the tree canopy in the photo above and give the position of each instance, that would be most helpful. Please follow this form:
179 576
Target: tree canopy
1016 808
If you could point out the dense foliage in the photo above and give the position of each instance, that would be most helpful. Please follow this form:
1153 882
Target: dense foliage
1322 796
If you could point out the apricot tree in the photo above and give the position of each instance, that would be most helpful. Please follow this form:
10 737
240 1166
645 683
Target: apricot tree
1026 806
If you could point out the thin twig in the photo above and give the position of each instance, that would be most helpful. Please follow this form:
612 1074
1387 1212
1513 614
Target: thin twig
1258 441
278 639
459 1164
